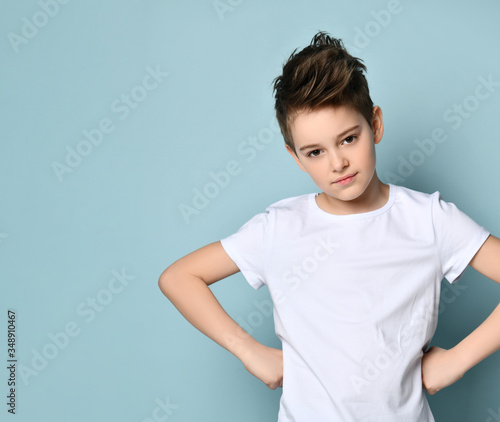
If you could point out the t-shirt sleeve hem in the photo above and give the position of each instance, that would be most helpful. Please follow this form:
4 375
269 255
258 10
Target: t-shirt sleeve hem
249 275
466 256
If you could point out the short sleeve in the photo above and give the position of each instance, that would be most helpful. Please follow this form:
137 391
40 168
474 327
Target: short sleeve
458 237
248 247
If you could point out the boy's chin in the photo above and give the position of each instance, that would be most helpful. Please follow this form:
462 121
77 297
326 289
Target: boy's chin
346 193
345 197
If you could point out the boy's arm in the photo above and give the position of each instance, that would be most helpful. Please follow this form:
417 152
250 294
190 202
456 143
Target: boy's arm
485 339
440 367
186 284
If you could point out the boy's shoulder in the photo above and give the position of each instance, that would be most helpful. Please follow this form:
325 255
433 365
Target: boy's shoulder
291 205
420 201
286 210
291 201
404 193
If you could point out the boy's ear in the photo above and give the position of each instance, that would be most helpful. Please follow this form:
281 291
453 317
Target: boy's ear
377 124
295 157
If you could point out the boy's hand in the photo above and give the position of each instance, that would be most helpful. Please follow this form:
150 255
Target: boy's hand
266 364
439 370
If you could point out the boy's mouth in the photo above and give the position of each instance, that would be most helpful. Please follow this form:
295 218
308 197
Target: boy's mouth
345 179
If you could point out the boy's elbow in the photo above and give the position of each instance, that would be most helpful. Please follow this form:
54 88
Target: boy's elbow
171 277
165 280
178 276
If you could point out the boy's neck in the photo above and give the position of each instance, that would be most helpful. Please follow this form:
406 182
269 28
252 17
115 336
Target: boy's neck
374 197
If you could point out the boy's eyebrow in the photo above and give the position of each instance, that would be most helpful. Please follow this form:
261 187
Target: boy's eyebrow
345 132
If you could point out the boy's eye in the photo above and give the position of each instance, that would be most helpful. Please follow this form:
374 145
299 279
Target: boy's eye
349 139
313 153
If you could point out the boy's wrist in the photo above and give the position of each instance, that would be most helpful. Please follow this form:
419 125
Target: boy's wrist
240 344
460 359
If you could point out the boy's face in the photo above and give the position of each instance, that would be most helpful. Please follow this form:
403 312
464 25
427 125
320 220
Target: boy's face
336 146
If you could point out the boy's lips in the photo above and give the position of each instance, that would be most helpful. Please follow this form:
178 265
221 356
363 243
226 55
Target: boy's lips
344 178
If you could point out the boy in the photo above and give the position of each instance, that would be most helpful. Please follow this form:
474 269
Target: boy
354 272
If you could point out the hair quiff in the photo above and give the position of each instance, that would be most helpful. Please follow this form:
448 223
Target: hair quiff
322 75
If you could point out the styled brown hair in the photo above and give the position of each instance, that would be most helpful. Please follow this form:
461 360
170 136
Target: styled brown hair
322 75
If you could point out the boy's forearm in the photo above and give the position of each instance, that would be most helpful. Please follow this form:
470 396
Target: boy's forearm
480 344
195 301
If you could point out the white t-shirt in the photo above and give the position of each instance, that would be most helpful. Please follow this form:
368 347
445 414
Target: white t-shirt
355 299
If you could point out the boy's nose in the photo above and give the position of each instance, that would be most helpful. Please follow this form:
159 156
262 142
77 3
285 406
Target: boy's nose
338 162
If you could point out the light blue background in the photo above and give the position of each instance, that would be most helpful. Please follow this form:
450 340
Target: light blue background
119 209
